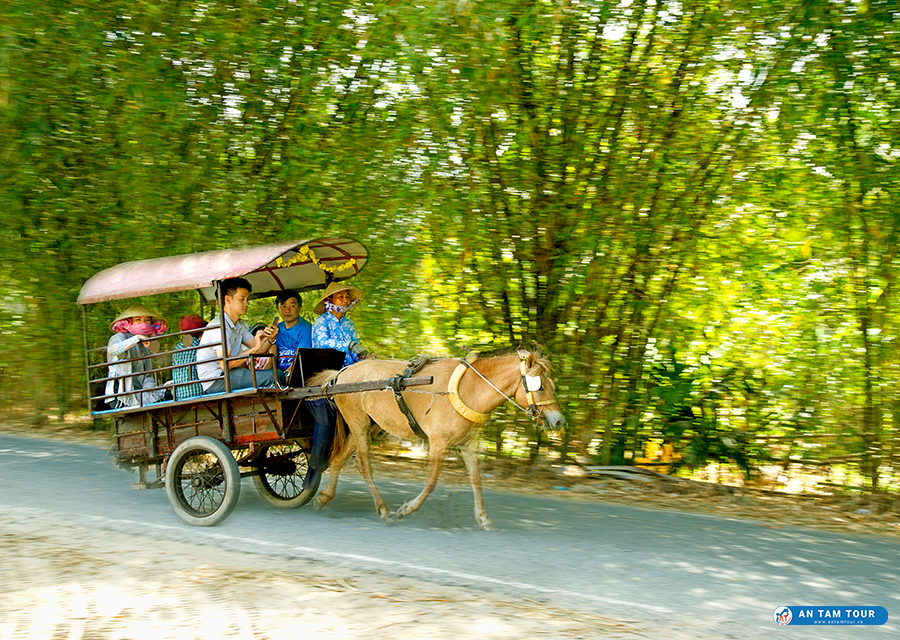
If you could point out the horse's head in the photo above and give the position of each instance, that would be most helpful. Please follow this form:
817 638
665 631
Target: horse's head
535 390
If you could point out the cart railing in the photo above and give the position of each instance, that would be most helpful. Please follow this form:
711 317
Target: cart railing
157 372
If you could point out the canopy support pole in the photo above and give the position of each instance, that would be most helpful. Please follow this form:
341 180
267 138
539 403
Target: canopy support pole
87 357
227 424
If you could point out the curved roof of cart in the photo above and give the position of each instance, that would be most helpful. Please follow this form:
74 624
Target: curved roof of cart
301 265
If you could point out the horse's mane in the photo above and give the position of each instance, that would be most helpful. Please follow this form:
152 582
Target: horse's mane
497 353
536 362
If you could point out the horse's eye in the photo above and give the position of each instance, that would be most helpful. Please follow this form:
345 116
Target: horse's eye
533 383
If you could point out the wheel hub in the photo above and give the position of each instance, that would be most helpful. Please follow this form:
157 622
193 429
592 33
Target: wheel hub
286 467
206 480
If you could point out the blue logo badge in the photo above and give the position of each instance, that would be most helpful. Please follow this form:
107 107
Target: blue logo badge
819 615
783 615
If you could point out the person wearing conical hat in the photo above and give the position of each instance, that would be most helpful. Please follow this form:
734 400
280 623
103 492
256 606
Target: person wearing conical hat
128 352
332 329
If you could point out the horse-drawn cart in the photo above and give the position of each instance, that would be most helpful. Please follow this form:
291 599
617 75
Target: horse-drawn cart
201 447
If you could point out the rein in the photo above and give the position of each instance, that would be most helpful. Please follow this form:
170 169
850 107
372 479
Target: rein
535 409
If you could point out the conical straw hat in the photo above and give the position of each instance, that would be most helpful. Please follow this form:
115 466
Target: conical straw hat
135 310
336 287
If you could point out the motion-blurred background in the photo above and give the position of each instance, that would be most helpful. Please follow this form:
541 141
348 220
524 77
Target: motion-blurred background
691 205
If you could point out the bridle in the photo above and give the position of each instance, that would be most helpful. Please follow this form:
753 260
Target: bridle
534 409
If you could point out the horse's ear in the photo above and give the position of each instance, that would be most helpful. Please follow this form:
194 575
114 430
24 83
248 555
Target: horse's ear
525 355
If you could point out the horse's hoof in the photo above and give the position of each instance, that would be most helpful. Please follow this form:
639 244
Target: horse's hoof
488 525
388 518
318 503
402 512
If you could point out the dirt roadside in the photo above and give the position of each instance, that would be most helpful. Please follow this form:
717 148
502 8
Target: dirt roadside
66 582
63 581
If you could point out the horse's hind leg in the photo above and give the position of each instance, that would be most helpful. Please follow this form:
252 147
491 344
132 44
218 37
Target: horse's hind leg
470 457
435 460
364 464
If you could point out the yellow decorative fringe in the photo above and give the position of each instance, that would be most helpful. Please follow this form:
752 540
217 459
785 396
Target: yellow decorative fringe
305 253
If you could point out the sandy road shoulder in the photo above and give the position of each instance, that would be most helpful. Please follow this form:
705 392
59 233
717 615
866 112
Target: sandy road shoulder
60 581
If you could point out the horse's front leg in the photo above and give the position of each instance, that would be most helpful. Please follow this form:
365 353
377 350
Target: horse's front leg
435 460
470 457
364 463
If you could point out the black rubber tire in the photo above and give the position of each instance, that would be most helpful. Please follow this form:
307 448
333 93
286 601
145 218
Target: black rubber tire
282 468
203 481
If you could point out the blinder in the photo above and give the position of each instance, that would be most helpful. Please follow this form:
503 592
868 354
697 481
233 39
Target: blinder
532 384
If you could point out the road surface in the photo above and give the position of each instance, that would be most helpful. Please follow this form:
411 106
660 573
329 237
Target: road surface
671 574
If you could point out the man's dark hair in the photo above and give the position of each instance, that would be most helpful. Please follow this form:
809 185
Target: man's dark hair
287 294
229 286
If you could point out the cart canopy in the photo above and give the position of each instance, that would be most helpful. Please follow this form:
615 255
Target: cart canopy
302 265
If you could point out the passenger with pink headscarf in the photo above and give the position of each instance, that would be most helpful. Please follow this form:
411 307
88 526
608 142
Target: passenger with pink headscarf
128 353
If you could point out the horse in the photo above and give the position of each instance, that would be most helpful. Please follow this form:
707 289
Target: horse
448 413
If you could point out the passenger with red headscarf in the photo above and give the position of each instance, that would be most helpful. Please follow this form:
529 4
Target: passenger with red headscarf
184 378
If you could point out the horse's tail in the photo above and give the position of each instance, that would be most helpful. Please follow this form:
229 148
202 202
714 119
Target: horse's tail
340 436
322 378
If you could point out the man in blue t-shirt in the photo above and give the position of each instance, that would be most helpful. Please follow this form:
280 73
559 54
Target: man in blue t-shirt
293 331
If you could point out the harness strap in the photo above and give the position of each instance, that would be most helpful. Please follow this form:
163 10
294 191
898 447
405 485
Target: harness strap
413 423
415 364
533 409
529 395
412 367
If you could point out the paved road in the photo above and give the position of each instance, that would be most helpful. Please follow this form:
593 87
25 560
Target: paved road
703 576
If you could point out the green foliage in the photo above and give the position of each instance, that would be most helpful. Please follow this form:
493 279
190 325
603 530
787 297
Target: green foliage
621 182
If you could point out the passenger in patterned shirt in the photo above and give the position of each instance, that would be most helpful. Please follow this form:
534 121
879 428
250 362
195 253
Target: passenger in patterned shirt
332 329
186 354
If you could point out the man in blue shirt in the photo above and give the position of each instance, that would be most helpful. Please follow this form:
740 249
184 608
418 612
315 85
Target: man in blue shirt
293 331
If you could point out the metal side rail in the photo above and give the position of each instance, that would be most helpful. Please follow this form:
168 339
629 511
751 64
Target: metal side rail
323 391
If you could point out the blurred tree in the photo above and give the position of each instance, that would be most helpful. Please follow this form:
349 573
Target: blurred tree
619 181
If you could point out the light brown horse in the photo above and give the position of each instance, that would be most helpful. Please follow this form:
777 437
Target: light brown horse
449 411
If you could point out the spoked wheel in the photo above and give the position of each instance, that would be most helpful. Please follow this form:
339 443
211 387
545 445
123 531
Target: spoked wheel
282 468
203 481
